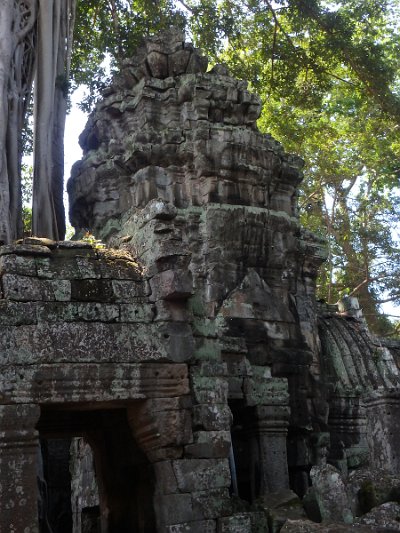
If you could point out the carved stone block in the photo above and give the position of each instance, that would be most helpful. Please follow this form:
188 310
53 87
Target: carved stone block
201 474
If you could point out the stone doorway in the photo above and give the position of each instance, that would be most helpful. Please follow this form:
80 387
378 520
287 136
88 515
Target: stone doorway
131 437
124 477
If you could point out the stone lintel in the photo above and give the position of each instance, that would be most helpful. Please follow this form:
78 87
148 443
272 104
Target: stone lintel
94 342
90 382
266 391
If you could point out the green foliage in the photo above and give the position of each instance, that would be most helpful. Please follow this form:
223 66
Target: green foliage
27 220
91 239
26 194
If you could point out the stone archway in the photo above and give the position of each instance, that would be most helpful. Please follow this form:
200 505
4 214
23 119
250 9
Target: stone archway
124 475
129 437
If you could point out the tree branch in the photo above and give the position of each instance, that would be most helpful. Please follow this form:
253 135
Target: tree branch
387 101
27 18
186 6
391 299
301 51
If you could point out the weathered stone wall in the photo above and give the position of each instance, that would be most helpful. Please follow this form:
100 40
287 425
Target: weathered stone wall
78 332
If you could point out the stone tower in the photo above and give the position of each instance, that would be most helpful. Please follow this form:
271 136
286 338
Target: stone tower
176 172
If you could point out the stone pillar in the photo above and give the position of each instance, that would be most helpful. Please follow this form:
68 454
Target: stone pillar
347 426
18 468
191 469
271 429
268 431
161 427
383 429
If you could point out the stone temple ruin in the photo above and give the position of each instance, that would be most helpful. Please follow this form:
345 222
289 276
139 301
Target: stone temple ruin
184 378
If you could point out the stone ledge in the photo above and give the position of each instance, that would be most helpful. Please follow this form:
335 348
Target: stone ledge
91 383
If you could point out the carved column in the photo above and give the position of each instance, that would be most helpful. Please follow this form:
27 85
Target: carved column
192 475
18 468
161 427
383 429
347 426
268 431
271 430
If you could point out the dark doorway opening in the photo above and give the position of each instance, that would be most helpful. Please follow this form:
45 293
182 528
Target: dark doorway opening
245 450
54 481
124 476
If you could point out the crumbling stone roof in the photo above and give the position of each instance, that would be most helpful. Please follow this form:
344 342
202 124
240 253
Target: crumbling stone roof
353 359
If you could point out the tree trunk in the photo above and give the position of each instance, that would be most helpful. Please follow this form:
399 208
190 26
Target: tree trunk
20 90
7 46
60 110
43 211
56 19
16 26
